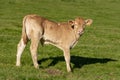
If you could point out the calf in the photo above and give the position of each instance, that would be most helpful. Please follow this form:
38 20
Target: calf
63 35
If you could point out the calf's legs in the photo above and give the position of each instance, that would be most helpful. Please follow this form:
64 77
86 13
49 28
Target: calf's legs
33 49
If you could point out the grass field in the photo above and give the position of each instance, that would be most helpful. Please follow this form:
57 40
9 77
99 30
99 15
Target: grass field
95 57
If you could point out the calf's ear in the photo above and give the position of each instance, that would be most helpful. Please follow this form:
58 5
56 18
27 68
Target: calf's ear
88 22
71 22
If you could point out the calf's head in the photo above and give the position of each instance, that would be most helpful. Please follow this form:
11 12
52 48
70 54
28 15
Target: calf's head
79 24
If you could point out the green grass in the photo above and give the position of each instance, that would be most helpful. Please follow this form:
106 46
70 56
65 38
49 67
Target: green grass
95 57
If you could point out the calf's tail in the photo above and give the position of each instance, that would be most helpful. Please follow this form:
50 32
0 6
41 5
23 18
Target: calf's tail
24 35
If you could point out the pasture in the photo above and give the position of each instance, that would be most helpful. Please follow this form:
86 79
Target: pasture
95 57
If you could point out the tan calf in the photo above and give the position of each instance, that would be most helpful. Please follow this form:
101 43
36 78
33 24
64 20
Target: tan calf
62 35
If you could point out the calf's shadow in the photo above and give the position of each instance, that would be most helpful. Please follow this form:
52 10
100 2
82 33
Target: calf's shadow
76 60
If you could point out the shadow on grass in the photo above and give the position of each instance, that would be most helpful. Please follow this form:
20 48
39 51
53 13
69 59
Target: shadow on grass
77 60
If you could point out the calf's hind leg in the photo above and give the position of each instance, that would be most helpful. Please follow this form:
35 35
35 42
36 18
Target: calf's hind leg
20 48
33 48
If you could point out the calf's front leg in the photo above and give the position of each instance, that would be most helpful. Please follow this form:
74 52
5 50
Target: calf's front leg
67 58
